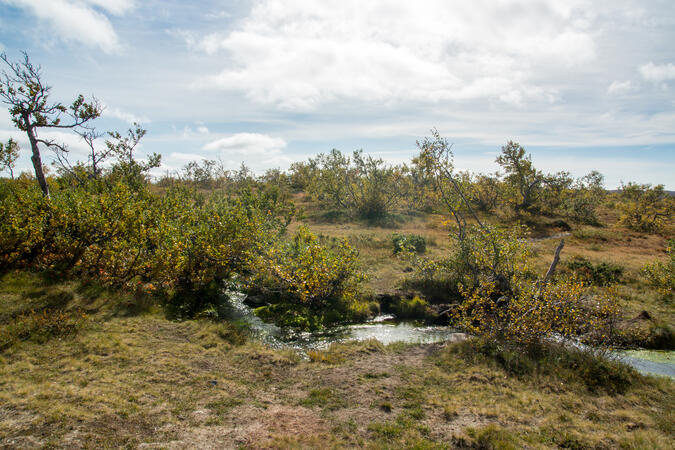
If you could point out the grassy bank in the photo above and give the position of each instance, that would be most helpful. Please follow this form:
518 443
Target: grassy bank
127 376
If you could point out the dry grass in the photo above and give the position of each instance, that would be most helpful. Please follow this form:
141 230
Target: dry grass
131 378
145 381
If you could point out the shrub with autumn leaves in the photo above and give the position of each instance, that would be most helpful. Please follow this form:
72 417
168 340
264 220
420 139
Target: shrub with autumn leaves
505 303
661 274
310 282
181 245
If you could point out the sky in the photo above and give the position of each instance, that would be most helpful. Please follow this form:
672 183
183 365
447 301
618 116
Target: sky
582 85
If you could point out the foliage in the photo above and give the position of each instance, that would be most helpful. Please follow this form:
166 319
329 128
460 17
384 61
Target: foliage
485 191
207 174
361 184
536 311
40 326
483 255
9 153
582 200
409 242
646 334
645 208
303 174
662 274
410 308
27 96
601 274
523 181
312 283
435 173
182 243
553 193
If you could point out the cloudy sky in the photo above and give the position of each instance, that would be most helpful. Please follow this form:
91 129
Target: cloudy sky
582 85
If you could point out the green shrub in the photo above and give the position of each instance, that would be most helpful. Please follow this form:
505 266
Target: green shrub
182 243
410 308
645 208
662 274
363 185
409 243
488 254
653 335
310 283
601 274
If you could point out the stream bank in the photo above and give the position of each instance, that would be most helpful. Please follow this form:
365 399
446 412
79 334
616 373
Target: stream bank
387 329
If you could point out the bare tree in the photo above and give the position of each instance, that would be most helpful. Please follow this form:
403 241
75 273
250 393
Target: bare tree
22 88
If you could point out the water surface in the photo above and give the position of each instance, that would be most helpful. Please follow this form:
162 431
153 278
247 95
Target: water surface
387 330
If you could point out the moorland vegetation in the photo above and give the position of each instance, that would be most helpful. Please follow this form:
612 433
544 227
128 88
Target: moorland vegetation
335 239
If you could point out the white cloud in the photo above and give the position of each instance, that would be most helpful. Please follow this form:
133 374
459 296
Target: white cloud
260 151
299 54
185 157
202 129
78 21
128 117
657 73
117 7
620 87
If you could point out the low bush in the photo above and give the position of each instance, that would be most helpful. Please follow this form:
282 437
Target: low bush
41 326
410 308
601 274
363 185
309 283
409 243
662 274
645 207
652 335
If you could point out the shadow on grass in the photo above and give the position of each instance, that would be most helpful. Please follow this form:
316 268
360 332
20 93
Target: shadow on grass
47 290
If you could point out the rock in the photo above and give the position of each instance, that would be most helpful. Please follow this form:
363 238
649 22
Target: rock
255 300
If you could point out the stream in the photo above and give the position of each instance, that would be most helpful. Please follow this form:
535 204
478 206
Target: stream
386 329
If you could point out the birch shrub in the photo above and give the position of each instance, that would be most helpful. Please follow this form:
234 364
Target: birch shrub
309 282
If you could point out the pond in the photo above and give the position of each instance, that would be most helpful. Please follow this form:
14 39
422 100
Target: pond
387 329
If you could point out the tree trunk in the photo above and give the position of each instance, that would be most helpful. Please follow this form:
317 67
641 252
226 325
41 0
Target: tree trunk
36 159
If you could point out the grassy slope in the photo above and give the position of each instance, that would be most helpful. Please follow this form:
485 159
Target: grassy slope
131 377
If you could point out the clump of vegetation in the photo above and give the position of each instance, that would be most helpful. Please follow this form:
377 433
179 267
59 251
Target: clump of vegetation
41 326
404 243
649 334
645 207
410 308
662 274
310 283
601 274
363 185
502 299
596 371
